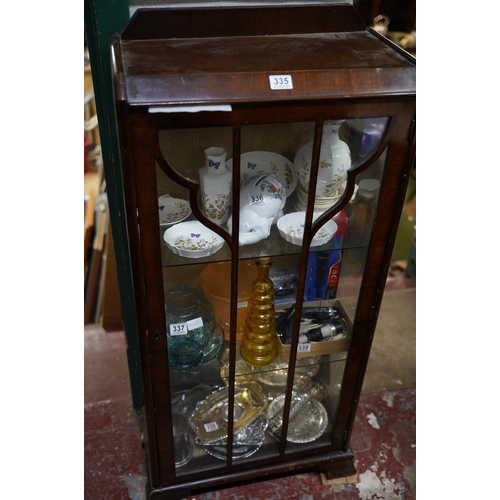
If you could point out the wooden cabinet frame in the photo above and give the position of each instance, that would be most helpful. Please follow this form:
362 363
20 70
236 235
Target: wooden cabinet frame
327 85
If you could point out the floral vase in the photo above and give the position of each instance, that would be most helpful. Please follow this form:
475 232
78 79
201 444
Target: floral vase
215 184
334 162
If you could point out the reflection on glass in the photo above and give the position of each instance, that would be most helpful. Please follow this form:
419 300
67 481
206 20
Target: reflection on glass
361 217
361 212
373 132
364 137
183 449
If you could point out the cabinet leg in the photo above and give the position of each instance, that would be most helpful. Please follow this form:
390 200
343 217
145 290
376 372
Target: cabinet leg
340 469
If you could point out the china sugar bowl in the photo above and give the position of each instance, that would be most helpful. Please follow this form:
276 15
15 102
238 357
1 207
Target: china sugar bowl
192 240
291 227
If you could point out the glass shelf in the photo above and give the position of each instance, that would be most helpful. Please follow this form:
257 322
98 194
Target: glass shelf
274 246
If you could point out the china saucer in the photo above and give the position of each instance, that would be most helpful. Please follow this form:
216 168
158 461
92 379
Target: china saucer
172 210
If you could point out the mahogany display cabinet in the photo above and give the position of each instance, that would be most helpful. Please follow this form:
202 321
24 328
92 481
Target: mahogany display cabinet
265 156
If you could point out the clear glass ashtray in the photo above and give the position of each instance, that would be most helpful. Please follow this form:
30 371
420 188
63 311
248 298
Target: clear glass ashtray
209 419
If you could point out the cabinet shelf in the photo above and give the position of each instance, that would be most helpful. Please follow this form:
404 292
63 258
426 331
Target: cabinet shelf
274 246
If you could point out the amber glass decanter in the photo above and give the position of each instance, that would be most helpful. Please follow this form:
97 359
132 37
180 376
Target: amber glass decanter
260 343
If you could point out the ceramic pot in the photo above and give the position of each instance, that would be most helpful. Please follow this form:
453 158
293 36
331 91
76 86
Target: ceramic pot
215 185
215 281
261 203
335 161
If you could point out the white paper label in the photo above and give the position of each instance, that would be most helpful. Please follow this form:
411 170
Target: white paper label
279 82
178 329
190 109
211 427
242 304
304 348
256 199
194 323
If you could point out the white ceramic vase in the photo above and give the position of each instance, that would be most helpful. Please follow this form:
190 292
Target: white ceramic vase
215 185
335 161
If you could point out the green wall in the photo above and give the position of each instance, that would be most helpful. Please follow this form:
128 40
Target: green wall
102 18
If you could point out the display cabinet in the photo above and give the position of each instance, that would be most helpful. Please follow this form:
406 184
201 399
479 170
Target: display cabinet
265 155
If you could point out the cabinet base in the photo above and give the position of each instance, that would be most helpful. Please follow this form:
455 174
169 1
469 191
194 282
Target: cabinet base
332 465
342 469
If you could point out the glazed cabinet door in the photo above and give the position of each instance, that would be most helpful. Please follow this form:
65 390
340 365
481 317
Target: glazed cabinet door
255 230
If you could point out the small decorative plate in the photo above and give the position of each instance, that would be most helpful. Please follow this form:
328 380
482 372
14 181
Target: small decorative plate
172 210
307 425
264 162
209 420
192 240
291 227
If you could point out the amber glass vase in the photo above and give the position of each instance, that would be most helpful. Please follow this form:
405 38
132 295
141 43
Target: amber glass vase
260 343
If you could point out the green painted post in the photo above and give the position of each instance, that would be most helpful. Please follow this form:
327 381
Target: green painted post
102 18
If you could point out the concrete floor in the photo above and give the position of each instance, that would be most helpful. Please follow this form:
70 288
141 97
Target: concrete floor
383 437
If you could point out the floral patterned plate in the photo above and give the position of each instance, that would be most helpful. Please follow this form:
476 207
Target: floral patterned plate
172 210
264 162
192 239
291 227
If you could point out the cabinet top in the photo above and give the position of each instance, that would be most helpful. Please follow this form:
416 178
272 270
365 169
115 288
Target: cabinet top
230 55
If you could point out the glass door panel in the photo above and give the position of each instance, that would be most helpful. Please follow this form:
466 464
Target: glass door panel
208 322
196 336
360 211
337 252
